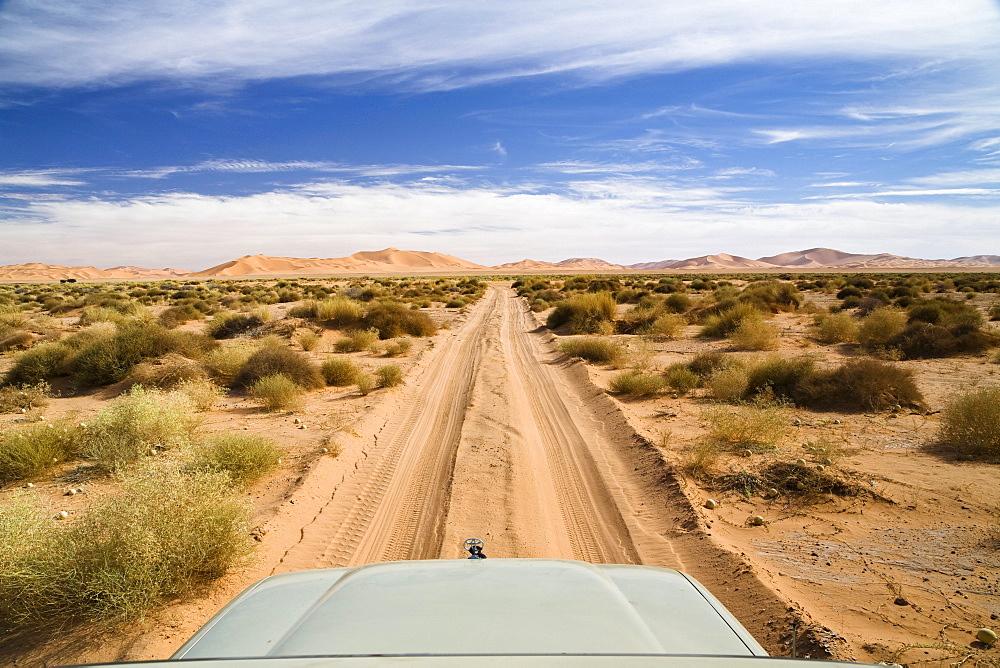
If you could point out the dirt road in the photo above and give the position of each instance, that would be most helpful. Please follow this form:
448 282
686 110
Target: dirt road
483 441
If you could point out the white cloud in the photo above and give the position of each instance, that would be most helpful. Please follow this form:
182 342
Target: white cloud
620 219
41 178
450 43
960 178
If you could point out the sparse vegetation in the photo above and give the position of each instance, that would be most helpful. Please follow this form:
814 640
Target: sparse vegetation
138 424
274 358
309 340
391 320
637 384
276 392
398 347
165 533
339 371
243 457
389 375
680 378
836 328
356 341
366 382
13 399
859 385
756 426
880 327
30 451
754 333
593 349
584 314
970 424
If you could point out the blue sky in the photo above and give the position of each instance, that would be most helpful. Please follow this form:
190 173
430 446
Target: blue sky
187 133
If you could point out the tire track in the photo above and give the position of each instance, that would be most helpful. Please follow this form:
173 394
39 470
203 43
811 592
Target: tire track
393 504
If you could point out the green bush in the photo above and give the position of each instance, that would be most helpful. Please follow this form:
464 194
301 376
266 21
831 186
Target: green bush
859 385
754 333
392 320
920 340
705 364
772 295
589 313
637 384
224 363
778 377
339 312
356 341
276 392
680 378
39 364
837 328
729 383
243 457
339 371
228 325
32 450
665 326
593 349
970 424
166 533
275 358
137 424
728 320
880 326
398 347
389 375
365 382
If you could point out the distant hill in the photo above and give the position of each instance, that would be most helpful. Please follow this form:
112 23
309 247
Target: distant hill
390 259
37 271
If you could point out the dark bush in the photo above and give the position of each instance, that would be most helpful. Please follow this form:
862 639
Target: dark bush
228 325
277 359
778 375
860 385
584 314
393 319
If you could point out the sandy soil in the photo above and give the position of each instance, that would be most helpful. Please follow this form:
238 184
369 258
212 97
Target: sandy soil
497 436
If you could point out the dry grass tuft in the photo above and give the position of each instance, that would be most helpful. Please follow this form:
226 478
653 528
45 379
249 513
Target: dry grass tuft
356 341
970 424
637 384
389 375
593 349
757 426
339 371
15 399
754 333
243 457
30 451
276 392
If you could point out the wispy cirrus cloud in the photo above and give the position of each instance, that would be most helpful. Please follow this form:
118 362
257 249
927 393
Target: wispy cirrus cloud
448 45
264 167
40 178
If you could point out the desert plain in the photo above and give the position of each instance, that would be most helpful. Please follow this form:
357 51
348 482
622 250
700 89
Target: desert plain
851 532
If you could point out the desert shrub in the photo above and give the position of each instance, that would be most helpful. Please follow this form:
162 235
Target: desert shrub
202 392
593 349
859 385
339 371
13 399
680 378
164 534
166 372
589 313
92 314
750 425
777 376
637 384
137 424
772 295
309 340
398 347
389 375
276 392
178 315
275 358
16 339
243 457
29 451
970 424
109 359
224 364
707 363
880 326
836 328
754 333
365 382
356 341
994 312
729 383
677 302
392 320
924 340
701 456
339 311
665 326
228 324
728 320
41 363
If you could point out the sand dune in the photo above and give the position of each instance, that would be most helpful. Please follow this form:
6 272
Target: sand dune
721 261
38 271
390 259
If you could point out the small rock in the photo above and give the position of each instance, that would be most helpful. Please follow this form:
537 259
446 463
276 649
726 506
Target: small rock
747 452
61 515
757 521
901 601
296 421
772 493
986 636
711 504
71 492
801 462
820 467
